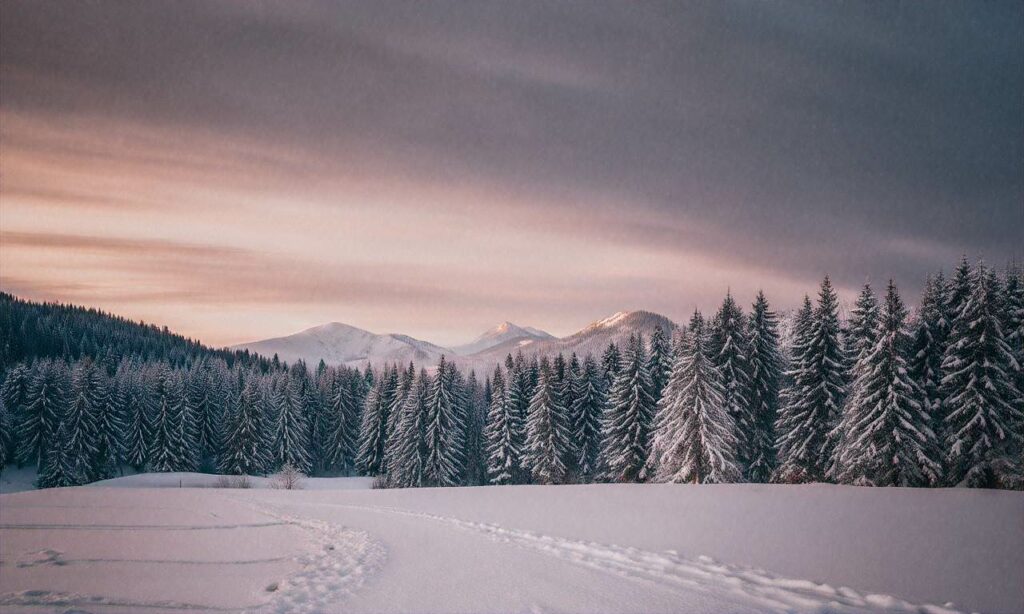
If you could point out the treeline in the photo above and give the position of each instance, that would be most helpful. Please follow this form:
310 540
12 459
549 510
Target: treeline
883 399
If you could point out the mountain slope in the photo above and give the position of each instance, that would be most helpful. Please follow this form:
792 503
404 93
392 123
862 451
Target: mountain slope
503 333
591 340
341 344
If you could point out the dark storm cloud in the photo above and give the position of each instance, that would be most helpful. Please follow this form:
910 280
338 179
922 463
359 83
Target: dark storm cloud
863 139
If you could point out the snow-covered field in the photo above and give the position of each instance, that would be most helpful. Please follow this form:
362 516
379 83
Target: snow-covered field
337 546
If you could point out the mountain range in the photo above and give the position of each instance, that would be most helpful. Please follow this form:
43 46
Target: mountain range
336 343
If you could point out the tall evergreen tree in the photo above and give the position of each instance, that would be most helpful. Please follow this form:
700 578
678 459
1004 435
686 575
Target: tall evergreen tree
246 443
169 449
729 349
445 430
792 430
373 433
611 363
765 376
627 421
591 399
137 408
983 423
814 402
407 464
1013 321
887 439
14 395
659 361
504 435
46 405
694 438
927 348
61 466
342 423
5 434
476 467
548 439
291 430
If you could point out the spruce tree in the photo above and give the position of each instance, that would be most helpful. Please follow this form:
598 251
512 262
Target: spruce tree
728 349
659 360
1013 320
887 439
591 399
694 437
342 425
476 467
245 439
792 429
407 464
611 363
138 408
14 395
504 435
927 348
765 375
89 399
625 430
5 434
291 429
169 449
61 466
445 429
984 415
373 432
815 400
46 405
548 438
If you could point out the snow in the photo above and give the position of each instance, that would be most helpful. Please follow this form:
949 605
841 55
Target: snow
129 544
500 334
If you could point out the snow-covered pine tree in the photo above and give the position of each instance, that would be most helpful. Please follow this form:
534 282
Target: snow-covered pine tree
407 463
206 408
659 360
110 429
625 431
14 394
765 375
46 406
568 390
342 427
729 349
291 429
958 290
611 363
591 399
476 467
169 448
791 428
246 444
504 435
1013 320
548 439
60 466
927 348
137 408
445 429
984 415
373 431
5 434
406 378
886 435
814 402
694 436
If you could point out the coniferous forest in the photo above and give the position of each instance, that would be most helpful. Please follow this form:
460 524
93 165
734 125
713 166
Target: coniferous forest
888 396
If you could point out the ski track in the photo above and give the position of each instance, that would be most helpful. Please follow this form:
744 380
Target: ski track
670 570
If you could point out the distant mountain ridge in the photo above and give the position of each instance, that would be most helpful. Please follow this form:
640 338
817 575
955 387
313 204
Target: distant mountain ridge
338 343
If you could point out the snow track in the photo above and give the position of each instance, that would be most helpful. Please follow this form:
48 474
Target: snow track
755 587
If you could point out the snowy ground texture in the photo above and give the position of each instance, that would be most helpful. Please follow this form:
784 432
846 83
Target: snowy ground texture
142 543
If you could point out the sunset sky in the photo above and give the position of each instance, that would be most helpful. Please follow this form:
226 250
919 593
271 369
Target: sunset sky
241 170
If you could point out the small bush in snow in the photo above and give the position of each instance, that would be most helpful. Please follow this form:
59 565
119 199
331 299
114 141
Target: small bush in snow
289 478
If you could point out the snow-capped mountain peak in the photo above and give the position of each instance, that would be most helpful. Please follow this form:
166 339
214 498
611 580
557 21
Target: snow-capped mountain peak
502 333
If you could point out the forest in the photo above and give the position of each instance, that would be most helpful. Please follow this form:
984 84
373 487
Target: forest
887 396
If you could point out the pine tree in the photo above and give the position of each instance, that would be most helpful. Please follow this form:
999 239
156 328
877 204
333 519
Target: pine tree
342 427
983 423
205 404
927 348
728 347
138 408
863 325
476 467
791 426
591 399
694 437
168 449
548 439
373 432
815 400
568 390
765 376
46 404
245 439
887 439
626 427
1013 321
659 361
14 395
611 363
445 430
110 428
406 466
5 434
60 466
504 435
291 430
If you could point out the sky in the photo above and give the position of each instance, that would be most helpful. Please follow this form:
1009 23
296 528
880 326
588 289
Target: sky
243 170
